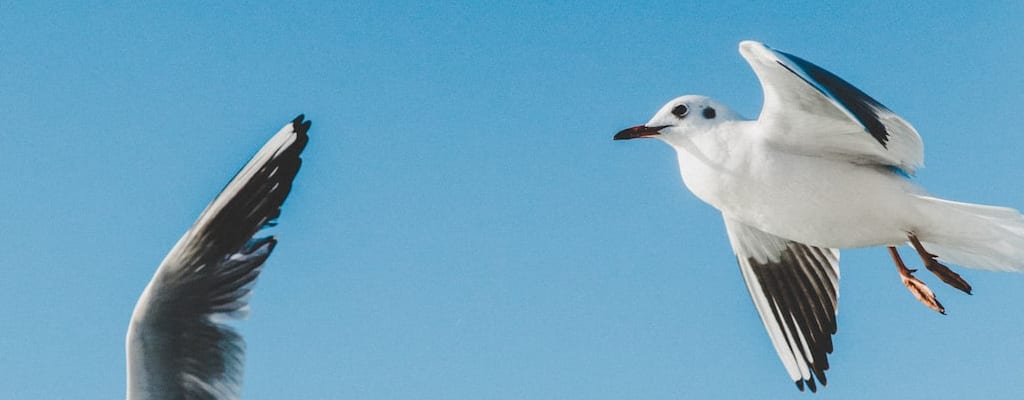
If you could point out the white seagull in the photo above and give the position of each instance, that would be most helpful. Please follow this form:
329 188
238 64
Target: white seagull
177 344
824 167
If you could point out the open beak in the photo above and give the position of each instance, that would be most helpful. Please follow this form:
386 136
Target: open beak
639 131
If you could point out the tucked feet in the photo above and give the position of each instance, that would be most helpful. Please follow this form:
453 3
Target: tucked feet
920 291
943 272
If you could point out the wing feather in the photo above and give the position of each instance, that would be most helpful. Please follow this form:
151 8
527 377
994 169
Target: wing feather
177 344
795 289
809 109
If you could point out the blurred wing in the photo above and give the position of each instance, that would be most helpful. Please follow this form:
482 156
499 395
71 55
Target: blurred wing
795 289
812 111
177 346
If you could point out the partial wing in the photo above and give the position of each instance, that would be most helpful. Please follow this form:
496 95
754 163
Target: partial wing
177 346
795 288
810 110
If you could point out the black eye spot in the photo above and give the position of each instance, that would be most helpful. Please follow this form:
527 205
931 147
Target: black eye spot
680 111
709 113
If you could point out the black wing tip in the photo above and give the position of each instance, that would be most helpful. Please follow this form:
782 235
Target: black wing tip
810 383
300 125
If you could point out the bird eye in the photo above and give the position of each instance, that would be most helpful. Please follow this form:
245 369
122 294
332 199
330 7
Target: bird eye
680 111
709 113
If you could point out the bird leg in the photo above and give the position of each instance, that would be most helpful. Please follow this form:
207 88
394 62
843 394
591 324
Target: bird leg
943 272
920 291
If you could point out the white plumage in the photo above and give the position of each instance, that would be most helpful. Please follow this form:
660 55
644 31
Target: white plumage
824 167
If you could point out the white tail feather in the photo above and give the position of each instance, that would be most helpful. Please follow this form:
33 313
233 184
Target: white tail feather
974 235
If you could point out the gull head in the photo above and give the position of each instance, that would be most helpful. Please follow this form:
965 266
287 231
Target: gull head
681 117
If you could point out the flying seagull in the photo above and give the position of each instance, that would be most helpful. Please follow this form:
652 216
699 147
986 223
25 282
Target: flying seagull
824 167
178 346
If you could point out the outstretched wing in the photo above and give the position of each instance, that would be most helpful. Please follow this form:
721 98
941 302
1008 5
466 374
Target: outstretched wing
795 288
810 110
177 346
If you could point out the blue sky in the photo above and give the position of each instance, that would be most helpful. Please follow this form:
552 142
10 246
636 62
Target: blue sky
463 226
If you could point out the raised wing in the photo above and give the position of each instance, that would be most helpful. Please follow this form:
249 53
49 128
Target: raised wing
795 289
177 346
810 110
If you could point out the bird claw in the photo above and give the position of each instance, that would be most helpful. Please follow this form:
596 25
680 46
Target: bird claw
947 275
922 293
917 288
943 272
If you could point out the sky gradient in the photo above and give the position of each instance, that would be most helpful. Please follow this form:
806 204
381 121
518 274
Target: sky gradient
463 226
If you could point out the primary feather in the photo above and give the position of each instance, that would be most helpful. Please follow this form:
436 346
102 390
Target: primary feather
177 344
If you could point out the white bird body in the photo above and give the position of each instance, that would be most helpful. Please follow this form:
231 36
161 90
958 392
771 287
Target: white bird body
783 193
823 167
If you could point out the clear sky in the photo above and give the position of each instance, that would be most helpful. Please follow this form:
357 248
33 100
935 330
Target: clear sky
463 226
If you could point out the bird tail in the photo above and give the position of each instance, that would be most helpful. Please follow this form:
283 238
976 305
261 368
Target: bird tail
974 235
